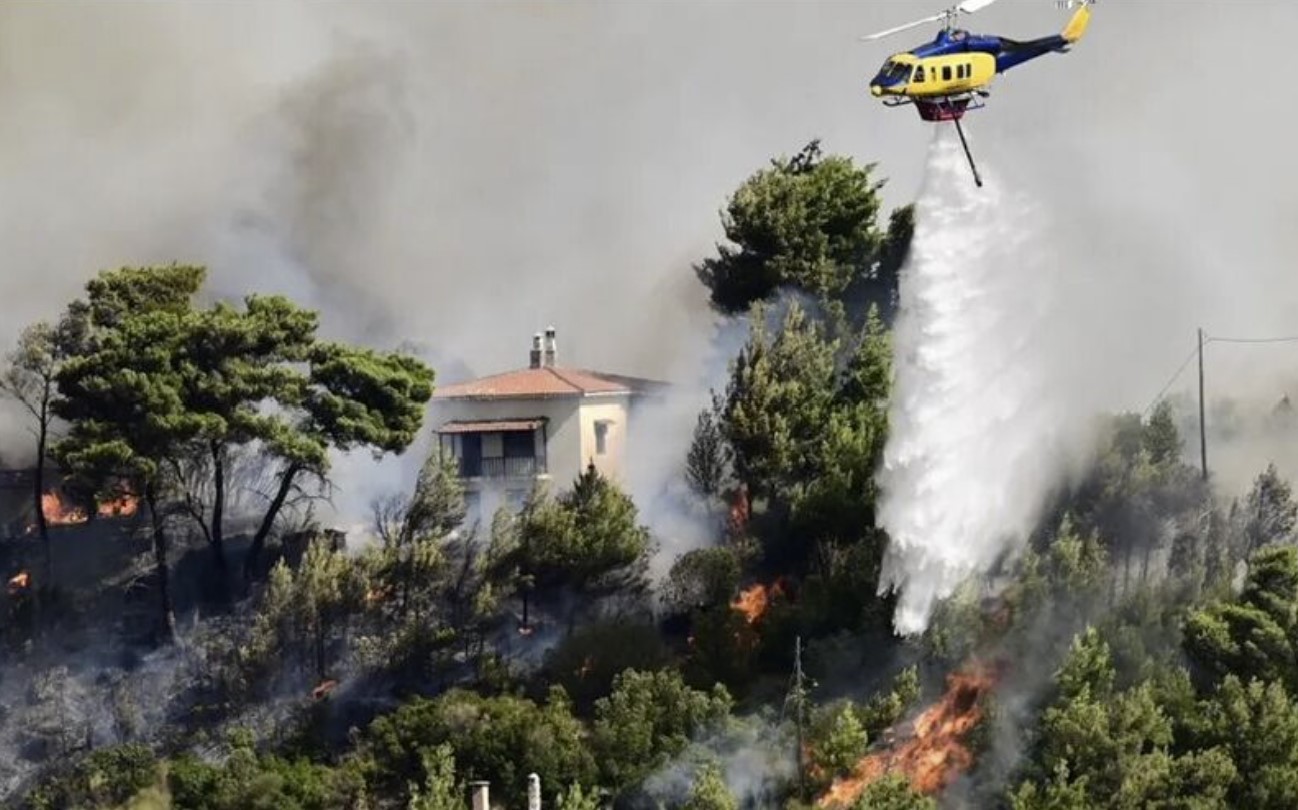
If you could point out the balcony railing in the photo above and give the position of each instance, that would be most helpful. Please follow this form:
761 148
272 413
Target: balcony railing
521 467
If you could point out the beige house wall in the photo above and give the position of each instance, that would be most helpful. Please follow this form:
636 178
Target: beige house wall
563 431
613 412
570 431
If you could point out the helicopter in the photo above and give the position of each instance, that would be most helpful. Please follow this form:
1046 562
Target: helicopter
949 76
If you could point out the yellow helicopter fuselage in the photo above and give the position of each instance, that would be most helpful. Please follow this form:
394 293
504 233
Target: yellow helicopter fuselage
940 76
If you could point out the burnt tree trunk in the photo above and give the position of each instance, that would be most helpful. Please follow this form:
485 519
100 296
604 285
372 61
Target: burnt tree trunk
320 649
268 521
218 513
38 491
167 634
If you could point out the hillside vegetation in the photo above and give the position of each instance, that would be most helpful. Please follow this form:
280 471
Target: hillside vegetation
1140 653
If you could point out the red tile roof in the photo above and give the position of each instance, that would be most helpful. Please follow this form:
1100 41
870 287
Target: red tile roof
532 383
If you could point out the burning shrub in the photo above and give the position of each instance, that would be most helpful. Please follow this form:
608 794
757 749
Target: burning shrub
933 749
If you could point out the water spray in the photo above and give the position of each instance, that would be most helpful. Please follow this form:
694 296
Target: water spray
974 424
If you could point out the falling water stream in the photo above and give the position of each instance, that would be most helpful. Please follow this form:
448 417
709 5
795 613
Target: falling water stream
971 446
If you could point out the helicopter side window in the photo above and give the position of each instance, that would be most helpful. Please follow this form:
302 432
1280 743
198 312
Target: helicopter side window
919 74
946 73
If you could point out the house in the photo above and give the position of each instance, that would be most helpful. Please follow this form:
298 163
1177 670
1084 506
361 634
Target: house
546 422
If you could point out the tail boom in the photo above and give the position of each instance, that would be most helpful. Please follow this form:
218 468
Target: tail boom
1015 53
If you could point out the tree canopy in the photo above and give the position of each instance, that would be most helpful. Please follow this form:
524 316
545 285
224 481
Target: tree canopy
152 382
809 223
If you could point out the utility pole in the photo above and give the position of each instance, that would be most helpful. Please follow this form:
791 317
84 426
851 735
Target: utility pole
1203 427
798 696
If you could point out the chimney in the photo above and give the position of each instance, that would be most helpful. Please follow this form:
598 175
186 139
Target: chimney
481 799
533 792
551 349
536 351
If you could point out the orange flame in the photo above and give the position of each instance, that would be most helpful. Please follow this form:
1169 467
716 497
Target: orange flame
125 506
933 754
323 689
20 582
754 600
737 519
60 513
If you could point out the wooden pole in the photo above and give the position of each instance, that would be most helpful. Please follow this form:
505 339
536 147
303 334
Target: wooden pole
1203 427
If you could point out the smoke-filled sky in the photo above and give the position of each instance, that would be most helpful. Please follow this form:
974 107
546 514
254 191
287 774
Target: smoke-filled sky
464 174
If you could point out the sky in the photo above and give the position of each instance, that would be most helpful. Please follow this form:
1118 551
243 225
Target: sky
458 175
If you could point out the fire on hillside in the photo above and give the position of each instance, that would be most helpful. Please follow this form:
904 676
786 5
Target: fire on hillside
59 511
932 753
19 583
755 600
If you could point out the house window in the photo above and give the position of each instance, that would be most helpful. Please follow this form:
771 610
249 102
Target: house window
471 455
601 437
519 444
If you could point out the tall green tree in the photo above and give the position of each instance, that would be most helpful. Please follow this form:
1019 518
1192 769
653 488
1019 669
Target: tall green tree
304 612
650 717
30 379
232 362
707 464
122 394
153 385
348 399
1161 439
777 401
809 222
413 530
1254 635
587 543
1270 510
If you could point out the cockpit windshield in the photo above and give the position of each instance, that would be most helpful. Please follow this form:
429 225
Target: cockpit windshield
894 72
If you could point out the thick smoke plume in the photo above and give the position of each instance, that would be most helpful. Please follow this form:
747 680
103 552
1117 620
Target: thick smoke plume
975 439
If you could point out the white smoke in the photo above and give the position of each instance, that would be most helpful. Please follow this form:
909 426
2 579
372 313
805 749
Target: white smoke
976 438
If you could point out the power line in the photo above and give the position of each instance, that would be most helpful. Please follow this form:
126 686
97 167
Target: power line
1251 340
1193 352
1189 358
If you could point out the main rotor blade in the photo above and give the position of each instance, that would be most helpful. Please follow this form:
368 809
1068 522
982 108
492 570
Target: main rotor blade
970 6
909 26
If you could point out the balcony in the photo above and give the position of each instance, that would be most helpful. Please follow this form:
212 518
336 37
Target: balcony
502 468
